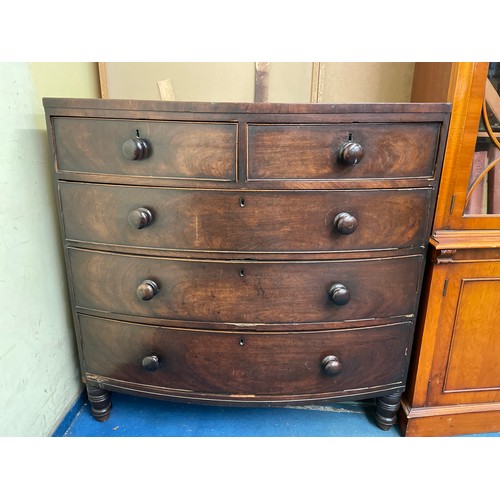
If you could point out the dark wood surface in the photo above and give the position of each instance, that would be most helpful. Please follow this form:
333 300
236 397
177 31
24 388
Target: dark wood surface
245 291
247 366
175 150
113 107
245 253
312 151
246 221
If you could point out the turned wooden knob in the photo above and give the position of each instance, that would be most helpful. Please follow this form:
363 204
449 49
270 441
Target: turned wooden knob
339 294
331 365
135 149
147 290
345 223
151 363
351 153
139 218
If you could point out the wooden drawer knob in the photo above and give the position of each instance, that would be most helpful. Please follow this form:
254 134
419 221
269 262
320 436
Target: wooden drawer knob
339 294
147 290
151 363
351 153
139 218
135 149
345 223
331 365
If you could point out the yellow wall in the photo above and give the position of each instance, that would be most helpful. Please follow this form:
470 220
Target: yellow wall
39 376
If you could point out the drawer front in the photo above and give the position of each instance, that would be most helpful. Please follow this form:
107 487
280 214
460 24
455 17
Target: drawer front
244 291
231 221
184 150
235 365
390 150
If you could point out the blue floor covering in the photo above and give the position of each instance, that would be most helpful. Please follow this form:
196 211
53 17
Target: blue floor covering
142 417
185 450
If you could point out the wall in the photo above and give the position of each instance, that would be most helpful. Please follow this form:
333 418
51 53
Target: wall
208 81
39 377
367 82
288 81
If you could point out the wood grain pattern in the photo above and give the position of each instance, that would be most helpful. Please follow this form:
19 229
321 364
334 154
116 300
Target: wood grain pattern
474 360
450 420
208 260
246 366
311 152
467 369
454 385
246 221
135 108
468 96
245 291
177 150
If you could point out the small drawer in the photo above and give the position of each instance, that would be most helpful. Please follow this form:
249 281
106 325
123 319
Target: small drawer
253 367
249 222
248 292
173 150
354 151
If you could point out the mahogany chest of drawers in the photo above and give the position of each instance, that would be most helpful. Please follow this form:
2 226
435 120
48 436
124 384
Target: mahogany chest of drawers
249 254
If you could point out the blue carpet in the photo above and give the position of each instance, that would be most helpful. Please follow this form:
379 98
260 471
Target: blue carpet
275 466
142 417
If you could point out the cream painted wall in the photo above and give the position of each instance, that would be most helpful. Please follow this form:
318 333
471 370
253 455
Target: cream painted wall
288 81
208 81
194 81
39 375
367 82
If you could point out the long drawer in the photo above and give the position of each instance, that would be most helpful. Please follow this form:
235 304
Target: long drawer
251 367
239 221
245 291
388 150
175 150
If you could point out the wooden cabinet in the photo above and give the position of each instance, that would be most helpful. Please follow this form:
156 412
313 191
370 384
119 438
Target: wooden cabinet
248 254
454 382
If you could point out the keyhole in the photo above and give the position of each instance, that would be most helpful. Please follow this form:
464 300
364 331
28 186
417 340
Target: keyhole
137 133
242 202
242 272
242 341
349 137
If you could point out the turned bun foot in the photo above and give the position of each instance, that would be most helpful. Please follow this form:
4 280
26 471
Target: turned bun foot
100 403
387 409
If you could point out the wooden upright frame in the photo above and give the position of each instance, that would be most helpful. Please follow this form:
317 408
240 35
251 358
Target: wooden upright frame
454 382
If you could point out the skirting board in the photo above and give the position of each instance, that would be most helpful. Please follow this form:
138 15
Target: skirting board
443 421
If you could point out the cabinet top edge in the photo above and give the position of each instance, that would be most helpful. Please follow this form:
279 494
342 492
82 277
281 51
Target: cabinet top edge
240 107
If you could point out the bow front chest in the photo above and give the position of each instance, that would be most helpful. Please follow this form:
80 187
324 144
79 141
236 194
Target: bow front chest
249 254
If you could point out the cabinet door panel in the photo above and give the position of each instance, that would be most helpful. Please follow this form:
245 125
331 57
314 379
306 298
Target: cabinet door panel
474 362
467 365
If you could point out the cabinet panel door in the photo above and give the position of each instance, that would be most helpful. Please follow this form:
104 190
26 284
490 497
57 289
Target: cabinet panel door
469 196
466 368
